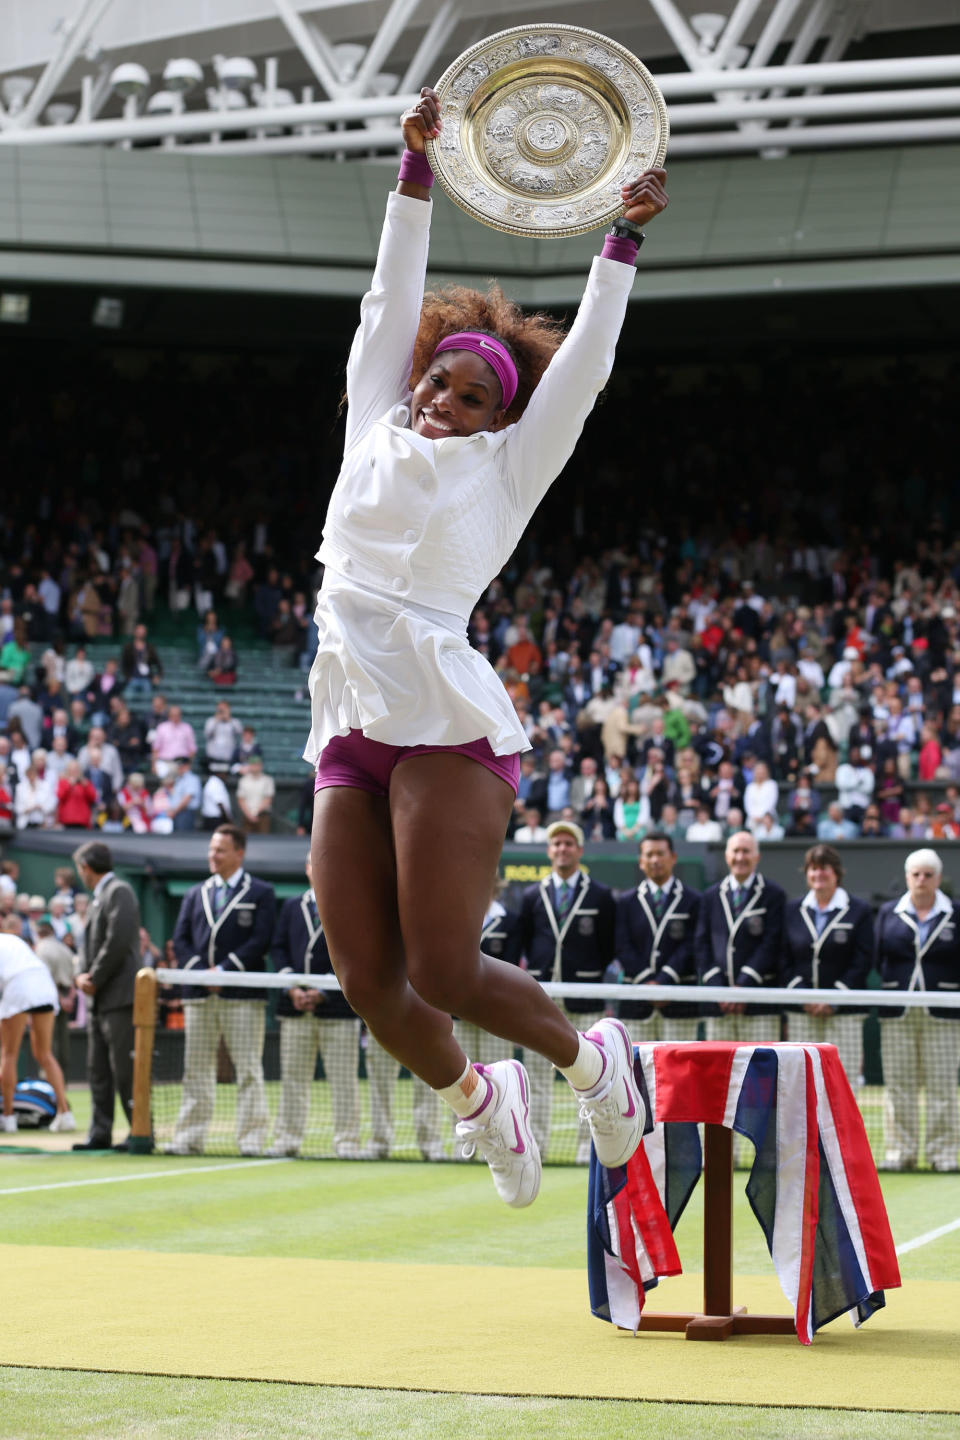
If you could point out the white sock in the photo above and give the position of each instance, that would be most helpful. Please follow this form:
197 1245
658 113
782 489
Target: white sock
463 1104
588 1069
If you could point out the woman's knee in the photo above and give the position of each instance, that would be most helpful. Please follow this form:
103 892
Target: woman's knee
443 976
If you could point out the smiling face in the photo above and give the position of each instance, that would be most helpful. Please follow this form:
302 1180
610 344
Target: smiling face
458 395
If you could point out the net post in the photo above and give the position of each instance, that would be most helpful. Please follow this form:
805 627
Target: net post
140 1141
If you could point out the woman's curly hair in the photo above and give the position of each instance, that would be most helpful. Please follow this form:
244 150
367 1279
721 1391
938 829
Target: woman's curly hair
531 340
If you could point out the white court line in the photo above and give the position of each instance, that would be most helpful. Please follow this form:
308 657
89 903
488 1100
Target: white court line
143 1175
925 1239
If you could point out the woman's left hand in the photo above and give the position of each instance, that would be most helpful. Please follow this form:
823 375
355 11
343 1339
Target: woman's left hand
644 197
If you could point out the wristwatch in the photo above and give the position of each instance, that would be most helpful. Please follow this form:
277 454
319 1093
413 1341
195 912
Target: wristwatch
623 229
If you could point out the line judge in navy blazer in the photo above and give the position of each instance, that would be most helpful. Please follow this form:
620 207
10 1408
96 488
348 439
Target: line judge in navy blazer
656 924
827 945
918 948
224 923
737 942
567 925
311 1020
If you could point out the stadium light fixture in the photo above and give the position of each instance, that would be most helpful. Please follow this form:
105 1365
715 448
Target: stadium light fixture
14 308
236 72
129 81
59 114
108 313
182 75
14 90
709 27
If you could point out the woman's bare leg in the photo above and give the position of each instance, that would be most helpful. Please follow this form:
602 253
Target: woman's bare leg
355 878
11 1034
41 1043
449 817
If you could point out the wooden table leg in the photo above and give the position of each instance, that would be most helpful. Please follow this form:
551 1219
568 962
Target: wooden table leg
719 1320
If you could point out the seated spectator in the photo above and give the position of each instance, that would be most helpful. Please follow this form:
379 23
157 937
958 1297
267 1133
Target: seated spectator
223 671
703 829
185 794
125 733
889 790
112 819
161 819
215 808
99 754
98 775
27 715
14 655
596 814
832 826
761 796
136 803
172 739
239 575
78 725
157 714
688 793
79 674
19 757
931 756
209 636
531 832
872 826
6 802
77 798
581 786
35 801
99 695
140 664
255 794
631 811
656 788
222 733
768 828
248 748
169 1000
669 824
943 826
58 756
855 785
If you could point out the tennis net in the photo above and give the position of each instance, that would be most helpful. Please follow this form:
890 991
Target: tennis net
218 1072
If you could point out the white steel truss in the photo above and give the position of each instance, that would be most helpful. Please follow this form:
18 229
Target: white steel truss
733 96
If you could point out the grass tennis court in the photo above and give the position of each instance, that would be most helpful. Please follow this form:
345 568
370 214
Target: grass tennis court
219 1268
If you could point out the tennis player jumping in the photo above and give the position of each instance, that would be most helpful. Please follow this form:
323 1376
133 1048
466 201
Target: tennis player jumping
462 411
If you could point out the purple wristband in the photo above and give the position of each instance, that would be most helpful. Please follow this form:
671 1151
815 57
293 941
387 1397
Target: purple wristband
415 169
615 248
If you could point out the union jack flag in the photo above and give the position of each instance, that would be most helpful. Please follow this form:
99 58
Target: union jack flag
813 1185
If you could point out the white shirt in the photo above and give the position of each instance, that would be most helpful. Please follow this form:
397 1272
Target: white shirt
760 798
416 528
216 799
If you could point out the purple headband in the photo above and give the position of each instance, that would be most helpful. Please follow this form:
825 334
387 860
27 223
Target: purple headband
496 355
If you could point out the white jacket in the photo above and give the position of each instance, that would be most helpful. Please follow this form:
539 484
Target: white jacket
417 529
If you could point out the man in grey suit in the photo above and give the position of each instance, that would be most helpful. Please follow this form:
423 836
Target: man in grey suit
111 959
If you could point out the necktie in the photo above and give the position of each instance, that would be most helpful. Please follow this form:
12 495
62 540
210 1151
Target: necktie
564 898
219 899
739 895
658 901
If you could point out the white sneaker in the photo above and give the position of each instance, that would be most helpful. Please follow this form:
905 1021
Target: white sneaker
8 1124
616 1115
281 1152
63 1124
503 1136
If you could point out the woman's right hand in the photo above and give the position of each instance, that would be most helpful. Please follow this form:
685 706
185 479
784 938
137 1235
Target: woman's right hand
422 121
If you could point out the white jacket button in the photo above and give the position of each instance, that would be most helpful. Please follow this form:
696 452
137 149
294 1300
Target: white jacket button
409 536
399 584
346 563
372 462
348 512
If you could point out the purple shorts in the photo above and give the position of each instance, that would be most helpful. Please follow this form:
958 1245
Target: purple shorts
363 764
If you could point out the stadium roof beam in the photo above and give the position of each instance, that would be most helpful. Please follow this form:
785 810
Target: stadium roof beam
435 37
744 104
74 36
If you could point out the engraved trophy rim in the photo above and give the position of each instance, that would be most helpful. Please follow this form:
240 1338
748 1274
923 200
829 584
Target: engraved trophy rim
457 158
